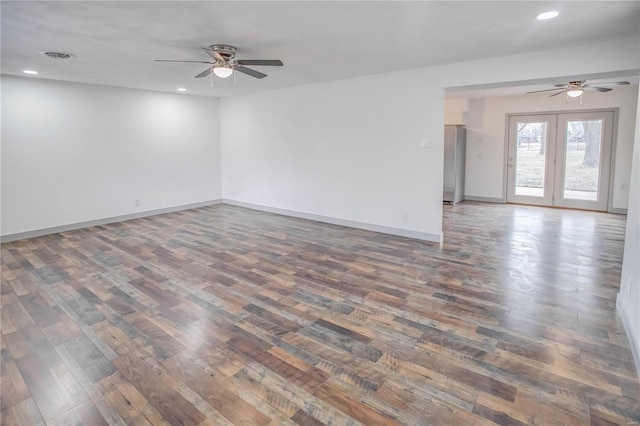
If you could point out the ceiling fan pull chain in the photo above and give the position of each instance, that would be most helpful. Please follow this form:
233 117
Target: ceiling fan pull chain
211 76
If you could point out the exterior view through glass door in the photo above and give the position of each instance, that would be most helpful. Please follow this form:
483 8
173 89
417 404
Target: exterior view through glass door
560 160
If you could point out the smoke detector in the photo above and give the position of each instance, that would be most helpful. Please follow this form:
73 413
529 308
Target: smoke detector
58 56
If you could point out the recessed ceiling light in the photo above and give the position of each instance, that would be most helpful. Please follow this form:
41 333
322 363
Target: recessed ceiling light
30 72
181 89
547 15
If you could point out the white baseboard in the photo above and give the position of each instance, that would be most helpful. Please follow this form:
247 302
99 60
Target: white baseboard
319 218
342 222
614 210
484 199
633 339
104 221
617 210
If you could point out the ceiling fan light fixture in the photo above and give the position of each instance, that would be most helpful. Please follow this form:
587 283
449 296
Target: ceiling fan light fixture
574 93
547 15
223 71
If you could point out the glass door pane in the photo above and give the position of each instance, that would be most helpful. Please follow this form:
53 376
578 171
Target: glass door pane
583 160
530 168
583 148
530 161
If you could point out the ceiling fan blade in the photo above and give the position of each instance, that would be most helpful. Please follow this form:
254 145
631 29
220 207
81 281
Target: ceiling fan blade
547 90
215 55
556 94
172 60
610 83
263 62
204 73
249 71
596 89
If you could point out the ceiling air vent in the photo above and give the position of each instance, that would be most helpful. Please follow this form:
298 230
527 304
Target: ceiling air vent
59 56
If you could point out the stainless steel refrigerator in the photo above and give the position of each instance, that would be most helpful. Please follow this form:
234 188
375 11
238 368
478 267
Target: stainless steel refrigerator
455 146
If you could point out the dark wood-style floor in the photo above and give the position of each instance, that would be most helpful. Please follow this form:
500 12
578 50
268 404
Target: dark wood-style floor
224 315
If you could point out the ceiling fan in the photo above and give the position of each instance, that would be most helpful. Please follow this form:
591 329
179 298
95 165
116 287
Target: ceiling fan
225 63
574 89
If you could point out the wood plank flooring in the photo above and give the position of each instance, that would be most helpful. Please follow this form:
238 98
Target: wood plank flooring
224 315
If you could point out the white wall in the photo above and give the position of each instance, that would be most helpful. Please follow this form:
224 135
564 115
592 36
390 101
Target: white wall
346 149
629 296
485 119
75 152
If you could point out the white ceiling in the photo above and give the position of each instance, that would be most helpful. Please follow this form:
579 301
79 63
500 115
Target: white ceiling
495 91
115 43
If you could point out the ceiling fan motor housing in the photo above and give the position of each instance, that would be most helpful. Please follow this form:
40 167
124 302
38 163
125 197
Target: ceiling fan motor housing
226 51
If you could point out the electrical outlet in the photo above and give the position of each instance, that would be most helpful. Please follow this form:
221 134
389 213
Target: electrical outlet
405 216
623 187
234 191
136 202
479 156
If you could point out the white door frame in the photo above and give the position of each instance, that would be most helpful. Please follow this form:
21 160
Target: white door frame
614 143
612 162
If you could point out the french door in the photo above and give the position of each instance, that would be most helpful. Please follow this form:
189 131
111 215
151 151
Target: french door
560 160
